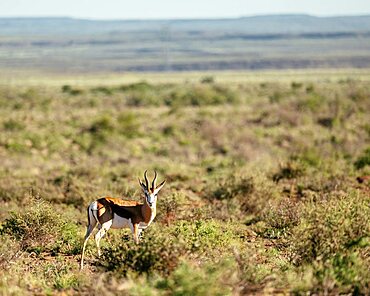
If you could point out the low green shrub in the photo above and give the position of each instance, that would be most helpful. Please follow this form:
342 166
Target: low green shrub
16 145
37 228
207 79
363 160
201 95
280 219
309 158
13 125
202 235
102 90
290 170
276 97
9 250
66 88
251 268
298 165
71 91
128 124
232 186
168 207
296 85
310 88
60 275
96 134
342 274
215 279
313 102
211 279
69 239
138 86
100 125
40 228
157 253
330 227
347 273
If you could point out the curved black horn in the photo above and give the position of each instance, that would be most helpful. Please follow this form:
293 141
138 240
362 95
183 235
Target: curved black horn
155 177
146 180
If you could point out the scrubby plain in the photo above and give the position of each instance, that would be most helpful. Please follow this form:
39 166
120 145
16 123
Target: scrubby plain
261 194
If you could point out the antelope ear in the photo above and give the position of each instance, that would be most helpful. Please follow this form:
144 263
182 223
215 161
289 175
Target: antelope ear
159 187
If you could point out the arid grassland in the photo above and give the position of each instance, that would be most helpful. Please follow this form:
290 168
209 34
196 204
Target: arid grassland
261 194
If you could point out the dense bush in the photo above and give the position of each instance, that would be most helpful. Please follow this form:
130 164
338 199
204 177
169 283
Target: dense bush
35 227
13 125
232 186
343 273
202 236
213 279
187 280
128 124
71 91
157 252
289 171
40 228
280 219
330 227
363 160
297 165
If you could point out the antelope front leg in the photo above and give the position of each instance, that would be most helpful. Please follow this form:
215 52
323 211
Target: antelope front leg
135 233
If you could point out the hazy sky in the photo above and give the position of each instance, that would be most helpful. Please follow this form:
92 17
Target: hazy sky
138 9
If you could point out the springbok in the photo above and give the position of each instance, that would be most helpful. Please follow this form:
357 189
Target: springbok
117 213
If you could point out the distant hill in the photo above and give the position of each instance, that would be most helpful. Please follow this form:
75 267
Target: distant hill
257 42
250 25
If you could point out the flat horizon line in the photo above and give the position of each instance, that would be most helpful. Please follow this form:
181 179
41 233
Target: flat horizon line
184 18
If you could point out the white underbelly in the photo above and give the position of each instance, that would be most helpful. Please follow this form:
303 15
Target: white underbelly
119 222
143 225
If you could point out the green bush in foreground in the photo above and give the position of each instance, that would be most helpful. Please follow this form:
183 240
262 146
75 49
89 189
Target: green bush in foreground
213 279
332 242
160 250
332 227
202 236
35 228
342 274
280 219
157 253
40 228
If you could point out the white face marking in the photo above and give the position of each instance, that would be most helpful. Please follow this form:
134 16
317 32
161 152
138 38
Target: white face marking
151 199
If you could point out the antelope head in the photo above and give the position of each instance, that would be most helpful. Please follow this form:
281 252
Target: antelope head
151 191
